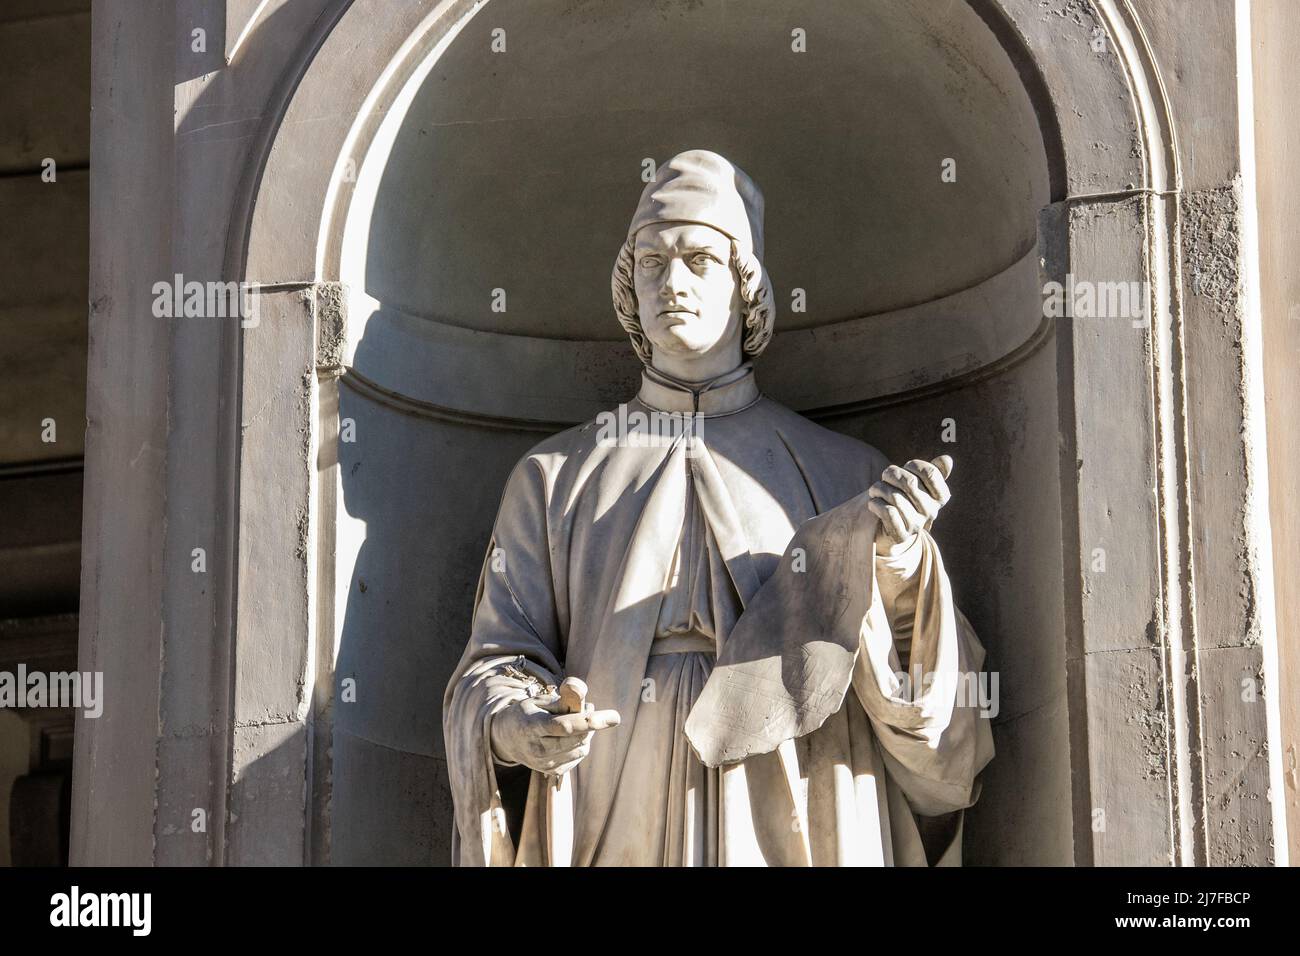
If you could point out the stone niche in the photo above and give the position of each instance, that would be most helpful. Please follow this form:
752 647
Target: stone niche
399 168
516 169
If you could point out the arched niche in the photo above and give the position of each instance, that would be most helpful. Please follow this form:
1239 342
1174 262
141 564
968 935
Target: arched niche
437 169
889 274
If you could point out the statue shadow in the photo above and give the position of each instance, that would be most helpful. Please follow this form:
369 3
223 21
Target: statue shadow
418 499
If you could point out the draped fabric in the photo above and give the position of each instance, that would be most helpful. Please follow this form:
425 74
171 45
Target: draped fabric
622 561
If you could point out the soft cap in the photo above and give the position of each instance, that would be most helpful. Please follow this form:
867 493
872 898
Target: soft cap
703 187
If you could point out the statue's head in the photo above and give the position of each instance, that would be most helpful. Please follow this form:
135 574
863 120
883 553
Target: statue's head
689 281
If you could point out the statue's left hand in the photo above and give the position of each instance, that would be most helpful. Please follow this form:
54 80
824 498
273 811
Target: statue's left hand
908 499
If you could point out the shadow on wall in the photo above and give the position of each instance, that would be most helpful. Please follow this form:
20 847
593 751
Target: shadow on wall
425 491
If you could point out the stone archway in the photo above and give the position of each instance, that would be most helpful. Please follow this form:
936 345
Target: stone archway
1135 680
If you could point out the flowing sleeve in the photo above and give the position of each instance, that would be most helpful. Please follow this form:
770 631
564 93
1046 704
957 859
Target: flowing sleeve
925 706
515 642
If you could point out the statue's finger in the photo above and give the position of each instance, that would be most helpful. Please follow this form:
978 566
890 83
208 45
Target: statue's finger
904 480
545 703
910 485
561 725
897 524
540 707
602 719
555 742
889 519
913 516
892 495
944 463
933 478
564 748
568 725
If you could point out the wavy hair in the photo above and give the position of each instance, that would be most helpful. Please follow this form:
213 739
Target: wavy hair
758 311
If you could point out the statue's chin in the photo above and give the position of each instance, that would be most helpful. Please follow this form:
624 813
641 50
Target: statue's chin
684 345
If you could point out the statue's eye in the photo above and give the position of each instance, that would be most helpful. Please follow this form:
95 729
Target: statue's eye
649 262
703 259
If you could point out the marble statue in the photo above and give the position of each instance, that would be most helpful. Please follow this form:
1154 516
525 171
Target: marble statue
731 641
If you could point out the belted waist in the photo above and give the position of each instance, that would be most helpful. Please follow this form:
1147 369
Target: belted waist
683 644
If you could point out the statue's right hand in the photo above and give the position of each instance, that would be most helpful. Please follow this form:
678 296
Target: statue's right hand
536 733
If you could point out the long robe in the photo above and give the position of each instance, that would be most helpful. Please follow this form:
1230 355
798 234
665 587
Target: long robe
620 561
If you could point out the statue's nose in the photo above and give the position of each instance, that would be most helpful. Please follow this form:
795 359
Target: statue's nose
677 278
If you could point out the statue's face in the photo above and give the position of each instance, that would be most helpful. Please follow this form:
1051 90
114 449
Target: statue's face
688 295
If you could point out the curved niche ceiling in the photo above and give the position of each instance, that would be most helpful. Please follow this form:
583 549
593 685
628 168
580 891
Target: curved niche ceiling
520 169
